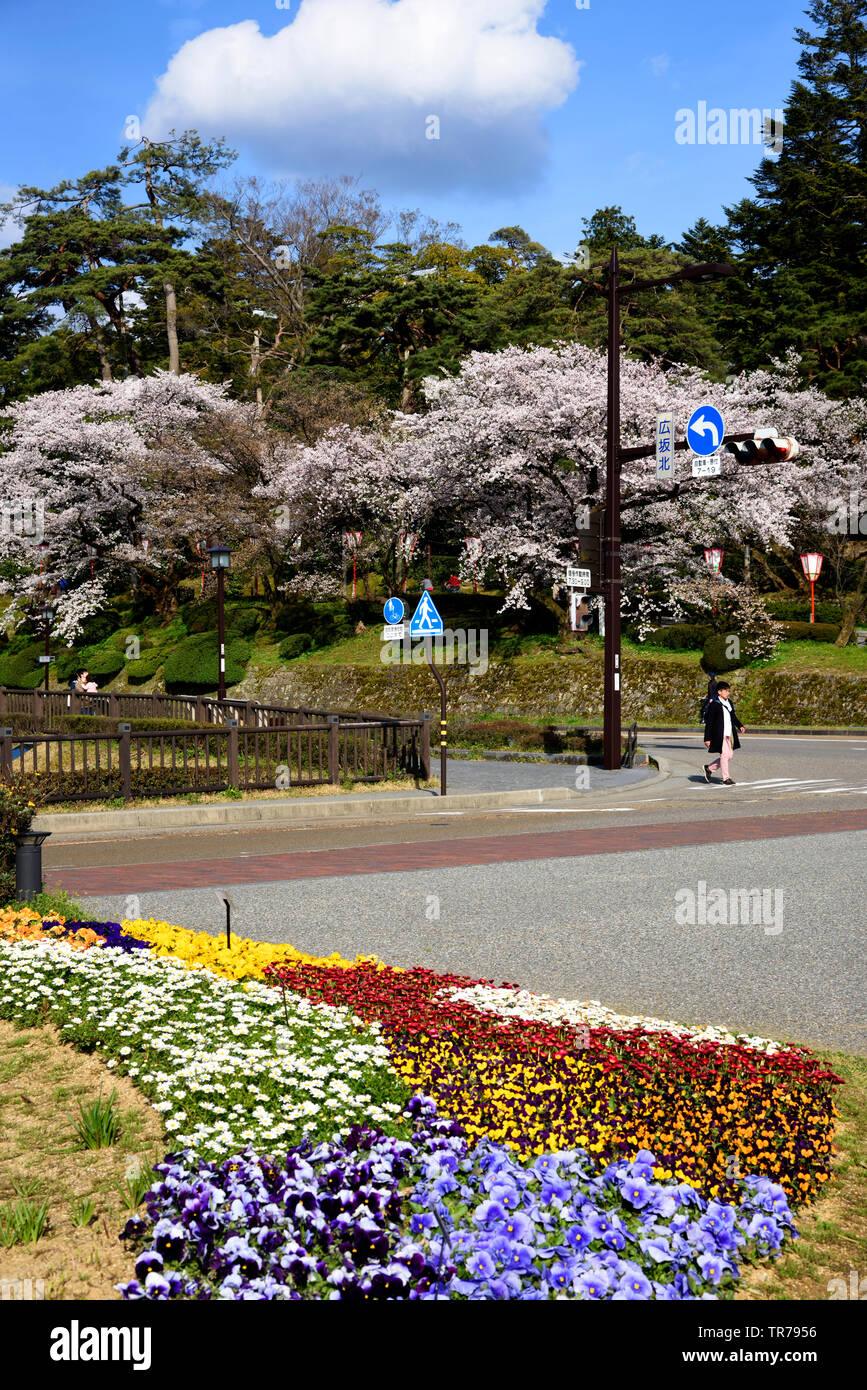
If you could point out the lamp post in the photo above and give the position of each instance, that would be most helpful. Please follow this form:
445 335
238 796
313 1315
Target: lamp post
220 562
811 563
353 541
713 558
615 456
47 619
91 552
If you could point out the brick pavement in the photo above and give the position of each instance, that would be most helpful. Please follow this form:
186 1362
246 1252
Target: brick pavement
397 857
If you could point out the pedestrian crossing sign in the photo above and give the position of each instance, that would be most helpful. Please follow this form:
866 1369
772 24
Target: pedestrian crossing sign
426 621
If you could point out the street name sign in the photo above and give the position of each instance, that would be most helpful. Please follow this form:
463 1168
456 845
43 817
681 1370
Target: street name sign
665 445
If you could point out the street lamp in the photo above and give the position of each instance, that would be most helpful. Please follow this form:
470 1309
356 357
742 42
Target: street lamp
220 562
614 458
47 618
811 563
43 548
91 553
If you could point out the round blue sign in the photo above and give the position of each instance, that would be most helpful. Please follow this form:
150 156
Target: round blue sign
704 433
393 610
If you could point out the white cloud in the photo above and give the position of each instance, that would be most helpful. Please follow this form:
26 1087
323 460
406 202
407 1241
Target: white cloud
348 85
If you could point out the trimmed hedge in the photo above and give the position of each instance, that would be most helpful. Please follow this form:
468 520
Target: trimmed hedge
295 645
811 632
194 665
144 668
17 669
102 663
680 637
714 657
25 726
798 610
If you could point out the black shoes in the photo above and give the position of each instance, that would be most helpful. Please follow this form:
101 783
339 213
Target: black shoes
706 772
729 783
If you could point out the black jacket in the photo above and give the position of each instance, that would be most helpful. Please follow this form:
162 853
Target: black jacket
715 723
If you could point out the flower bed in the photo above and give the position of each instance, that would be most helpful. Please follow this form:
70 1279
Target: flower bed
576 1154
371 1217
709 1110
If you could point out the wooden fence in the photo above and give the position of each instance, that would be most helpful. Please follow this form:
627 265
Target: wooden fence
213 757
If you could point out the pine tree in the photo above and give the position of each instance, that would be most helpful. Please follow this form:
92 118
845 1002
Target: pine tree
802 243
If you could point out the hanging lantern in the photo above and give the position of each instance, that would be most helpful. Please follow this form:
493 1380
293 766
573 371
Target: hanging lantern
811 563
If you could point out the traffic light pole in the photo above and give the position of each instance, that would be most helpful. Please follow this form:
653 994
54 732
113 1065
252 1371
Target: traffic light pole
611 754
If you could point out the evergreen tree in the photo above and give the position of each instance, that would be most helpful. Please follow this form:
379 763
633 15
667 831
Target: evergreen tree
802 241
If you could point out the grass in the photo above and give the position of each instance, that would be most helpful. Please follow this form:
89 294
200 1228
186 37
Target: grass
46 903
76 1251
98 1125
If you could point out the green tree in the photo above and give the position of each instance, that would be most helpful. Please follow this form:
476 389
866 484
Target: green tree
801 242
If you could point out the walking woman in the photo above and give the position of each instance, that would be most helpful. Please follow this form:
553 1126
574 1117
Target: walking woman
721 730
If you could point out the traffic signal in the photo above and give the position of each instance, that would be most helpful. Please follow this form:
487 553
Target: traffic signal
590 546
769 449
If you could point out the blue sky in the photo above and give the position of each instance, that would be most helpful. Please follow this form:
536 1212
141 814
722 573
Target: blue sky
546 111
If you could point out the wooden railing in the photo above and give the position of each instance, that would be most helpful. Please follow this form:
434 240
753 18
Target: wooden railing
213 757
46 706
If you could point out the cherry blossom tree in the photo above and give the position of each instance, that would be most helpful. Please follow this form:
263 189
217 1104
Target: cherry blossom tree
129 472
512 450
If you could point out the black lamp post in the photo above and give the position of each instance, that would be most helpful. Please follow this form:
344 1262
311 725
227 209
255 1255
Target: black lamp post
220 562
47 619
615 457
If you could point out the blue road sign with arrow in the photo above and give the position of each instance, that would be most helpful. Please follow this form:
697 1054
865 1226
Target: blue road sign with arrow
426 621
393 610
705 431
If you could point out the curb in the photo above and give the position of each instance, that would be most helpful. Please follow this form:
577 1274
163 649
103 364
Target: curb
755 729
286 812
503 756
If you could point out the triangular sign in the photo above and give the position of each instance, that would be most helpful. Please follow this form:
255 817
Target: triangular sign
426 621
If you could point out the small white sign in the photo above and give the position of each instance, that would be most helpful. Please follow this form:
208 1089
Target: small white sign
393 632
707 468
665 445
577 579
45 660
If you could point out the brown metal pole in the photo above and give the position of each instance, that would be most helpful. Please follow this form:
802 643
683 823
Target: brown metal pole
221 637
612 717
443 740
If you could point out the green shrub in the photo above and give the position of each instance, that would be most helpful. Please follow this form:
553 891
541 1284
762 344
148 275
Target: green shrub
243 622
812 632
25 725
715 658
144 668
798 610
68 663
102 663
17 670
295 645
194 665
680 637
